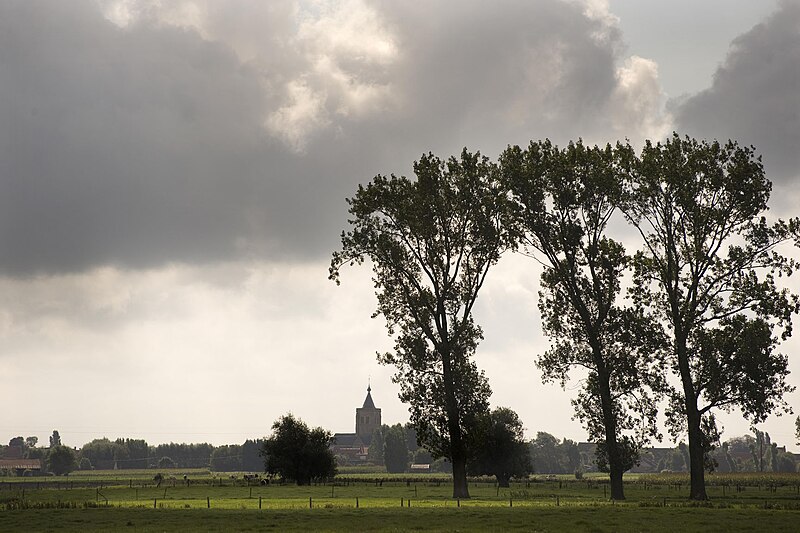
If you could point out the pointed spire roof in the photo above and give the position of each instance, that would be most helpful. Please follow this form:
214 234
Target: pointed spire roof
368 403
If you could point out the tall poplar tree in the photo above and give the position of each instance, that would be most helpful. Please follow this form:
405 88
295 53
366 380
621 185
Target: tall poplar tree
564 200
708 269
431 242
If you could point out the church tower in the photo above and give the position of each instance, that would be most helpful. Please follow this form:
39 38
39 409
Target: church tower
368 418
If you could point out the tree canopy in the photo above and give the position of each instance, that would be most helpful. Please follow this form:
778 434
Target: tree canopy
395 449
502 451
431 242
61 460
298 453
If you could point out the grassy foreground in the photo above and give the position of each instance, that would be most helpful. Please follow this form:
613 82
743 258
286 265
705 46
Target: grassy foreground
215 503
594 519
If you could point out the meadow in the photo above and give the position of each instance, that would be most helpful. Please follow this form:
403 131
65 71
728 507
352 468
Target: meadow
130 500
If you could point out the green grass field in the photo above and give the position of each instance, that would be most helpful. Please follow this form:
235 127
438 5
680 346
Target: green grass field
130 501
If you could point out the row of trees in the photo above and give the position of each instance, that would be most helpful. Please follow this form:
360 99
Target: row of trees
106 454
703 303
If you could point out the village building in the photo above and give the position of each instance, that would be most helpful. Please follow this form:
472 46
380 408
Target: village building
13 460
355 446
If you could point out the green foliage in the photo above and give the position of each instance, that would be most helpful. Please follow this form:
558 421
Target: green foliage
105 454
431 243
564 200
55 439
227 458
298 453
627 454
375 452
251 456
797 430
395 449
135 454
549 456
502 451
185 455
708 269
84 464
61 460
166 462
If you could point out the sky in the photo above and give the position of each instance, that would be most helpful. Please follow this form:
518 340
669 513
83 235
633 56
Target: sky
173 179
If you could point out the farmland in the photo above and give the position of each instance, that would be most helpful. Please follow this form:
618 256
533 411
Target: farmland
109 500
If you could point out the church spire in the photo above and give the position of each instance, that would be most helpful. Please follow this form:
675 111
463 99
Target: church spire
368 403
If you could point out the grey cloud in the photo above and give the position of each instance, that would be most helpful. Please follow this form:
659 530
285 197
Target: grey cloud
146 144
755 95
492 75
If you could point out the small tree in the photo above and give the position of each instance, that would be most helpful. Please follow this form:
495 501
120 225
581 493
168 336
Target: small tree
375 451
84 464
61 460
502 451
166 462
545 454
297 453
395 450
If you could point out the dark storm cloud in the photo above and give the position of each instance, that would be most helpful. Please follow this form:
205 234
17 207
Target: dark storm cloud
119 146
492 75
141 145
755 96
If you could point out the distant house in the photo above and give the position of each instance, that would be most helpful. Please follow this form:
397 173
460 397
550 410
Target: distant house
355 446
12 460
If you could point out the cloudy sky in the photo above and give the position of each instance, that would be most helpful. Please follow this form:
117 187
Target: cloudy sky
173 175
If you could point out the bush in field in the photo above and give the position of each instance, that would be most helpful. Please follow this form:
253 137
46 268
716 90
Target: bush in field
298 453
501 451
395 449
61 460
84 464
166 462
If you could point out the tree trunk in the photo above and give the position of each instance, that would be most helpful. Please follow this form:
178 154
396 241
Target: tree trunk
615 467
697 474
460 488
458 452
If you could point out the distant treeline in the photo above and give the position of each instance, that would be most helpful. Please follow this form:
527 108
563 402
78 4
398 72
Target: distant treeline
549 455
123 454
